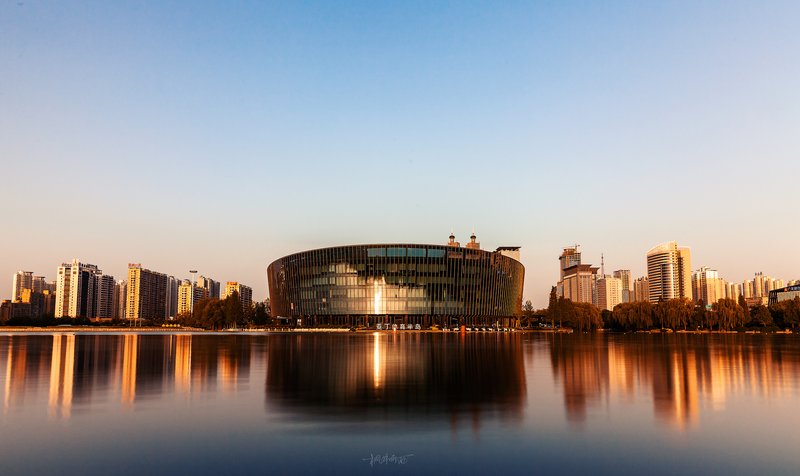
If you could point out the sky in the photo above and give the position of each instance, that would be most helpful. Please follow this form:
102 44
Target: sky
220 136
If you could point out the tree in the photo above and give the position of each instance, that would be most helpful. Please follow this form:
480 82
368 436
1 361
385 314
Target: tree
787 312
728 314
566 312
632 316
699 318
675 313
260 315
761 316
587 317
744 307
527 312
552 307
607 317
234 315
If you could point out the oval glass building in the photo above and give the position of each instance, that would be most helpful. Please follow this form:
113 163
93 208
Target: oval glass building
398 283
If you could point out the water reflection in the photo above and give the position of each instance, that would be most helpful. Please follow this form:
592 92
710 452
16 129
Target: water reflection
135 367
460 403
403 376
680 373
391 375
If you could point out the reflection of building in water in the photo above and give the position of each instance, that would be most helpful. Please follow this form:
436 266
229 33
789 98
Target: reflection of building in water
27 358
675 396
233 362
62 365
96 360
681 371
416 375
583 371
183 363
85 368
130 348
154 366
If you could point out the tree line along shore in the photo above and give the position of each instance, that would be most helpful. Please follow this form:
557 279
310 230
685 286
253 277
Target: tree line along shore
726 315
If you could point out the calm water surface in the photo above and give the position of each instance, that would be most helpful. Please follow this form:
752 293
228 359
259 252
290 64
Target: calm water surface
451 404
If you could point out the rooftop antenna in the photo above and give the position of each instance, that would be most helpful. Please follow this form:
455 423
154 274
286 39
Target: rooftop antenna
602 266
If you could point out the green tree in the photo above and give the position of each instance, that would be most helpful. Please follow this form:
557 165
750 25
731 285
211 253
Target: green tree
633 316
728 314
260 315
608 318
745 308
553 311
761 316
527 313
566 312
234 315
675 313
787 313
586 317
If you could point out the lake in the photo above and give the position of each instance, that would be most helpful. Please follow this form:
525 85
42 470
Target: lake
399 403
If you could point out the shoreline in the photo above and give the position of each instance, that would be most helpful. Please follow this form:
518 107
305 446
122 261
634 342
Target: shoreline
323 330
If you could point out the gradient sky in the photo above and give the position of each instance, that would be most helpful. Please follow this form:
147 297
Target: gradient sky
220 136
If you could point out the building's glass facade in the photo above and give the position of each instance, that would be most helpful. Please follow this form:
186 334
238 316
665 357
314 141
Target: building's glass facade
396 283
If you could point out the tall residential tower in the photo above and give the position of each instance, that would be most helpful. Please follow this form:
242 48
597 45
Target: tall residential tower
669 272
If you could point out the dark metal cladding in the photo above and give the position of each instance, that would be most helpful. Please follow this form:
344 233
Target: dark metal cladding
397 283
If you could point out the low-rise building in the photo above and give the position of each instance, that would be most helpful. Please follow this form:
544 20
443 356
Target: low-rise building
784 294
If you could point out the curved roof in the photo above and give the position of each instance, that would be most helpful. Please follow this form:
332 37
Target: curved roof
395 245
663 248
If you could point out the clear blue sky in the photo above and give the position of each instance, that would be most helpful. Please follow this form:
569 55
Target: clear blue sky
223 135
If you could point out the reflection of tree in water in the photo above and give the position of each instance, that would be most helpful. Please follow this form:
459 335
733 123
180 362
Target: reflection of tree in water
680 370
582 369
412 374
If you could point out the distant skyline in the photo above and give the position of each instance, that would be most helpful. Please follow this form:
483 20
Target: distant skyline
222 136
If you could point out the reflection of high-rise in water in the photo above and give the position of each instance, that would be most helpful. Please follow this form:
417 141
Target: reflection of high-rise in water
62 374
201 361
680 371
27 358
233 362
397 375
154 366
583 371
96 359
183 363
130 349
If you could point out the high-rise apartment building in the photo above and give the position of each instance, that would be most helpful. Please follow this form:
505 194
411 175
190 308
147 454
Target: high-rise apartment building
707 286
627 289
171 300
147 293
76 295
21 280
39 284
577 282
609 292
569 257
185 297
641 289
580 283
105 291
245 293
188 295
212 287
669 272
758 285
121 300
747 289
41 303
